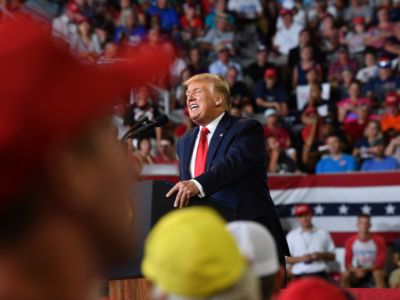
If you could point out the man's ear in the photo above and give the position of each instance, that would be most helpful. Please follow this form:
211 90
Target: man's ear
219 101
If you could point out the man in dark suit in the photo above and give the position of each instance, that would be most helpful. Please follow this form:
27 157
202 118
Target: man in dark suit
225 158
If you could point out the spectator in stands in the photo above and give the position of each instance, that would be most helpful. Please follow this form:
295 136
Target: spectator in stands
119 111
336 161
343 62
354 39
191 23
86 43
144 151
143 107
313 289
240 94
363 145
278 159
305 40
258 246
354 129
273 128
378 34
257 69
168 16
132 32
370 69
271 94
328 35
248 10
287 37
393 149
219 270
348 108
65 26
167 154
222 64
358 9
219 9
197 65
365 255
390 120
125 10
311 248
220 36
394 279
306 63
386 82
378 161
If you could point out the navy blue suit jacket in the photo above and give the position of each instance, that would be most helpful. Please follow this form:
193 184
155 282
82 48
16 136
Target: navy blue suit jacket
236 172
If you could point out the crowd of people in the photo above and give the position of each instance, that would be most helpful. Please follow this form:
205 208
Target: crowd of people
309 70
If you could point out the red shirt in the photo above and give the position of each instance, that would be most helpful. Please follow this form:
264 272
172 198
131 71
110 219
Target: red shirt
281 134
186 24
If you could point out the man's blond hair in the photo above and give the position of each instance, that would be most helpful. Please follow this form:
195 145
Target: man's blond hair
218 85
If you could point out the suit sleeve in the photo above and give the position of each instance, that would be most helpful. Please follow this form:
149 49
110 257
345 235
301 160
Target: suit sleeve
246 150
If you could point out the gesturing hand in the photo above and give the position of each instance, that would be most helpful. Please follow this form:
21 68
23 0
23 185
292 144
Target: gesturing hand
185 190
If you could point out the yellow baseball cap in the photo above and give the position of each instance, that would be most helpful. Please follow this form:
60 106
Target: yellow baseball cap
190 253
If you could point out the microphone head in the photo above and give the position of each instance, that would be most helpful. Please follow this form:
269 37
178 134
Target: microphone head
161 120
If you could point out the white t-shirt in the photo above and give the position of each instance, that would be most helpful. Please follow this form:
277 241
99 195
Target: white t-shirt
306 242
287 38
250 8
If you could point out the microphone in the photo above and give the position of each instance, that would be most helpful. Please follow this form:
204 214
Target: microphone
146 125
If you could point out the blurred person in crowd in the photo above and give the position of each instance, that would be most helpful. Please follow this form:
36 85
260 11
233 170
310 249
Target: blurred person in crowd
258 246
279 161
348 107
318 11
393 148
305 40
110 53
343 62
394 278
257 69
86 43
378 34
273 128
310 247
123 13
354 128
119 112
378 161
132 32
306 63
313 289
354 39
219 270
386 82
336 161
222 64
314 100
391 47
66 214
191 23
271 94
329 36
65 26
144 151
240 94
362 146
287 37
167 154
358 9
185 126
249 10
219 9
143 106
390 119
167 15
220 36
197 65
179 91
365 255
298 12
370 69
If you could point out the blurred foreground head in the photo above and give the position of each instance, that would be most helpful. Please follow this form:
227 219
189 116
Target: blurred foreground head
190 254
64 192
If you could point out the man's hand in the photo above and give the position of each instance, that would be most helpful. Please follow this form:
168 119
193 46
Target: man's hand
185 190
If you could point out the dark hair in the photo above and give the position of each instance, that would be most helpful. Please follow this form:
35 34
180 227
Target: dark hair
267 285
139 143
367 216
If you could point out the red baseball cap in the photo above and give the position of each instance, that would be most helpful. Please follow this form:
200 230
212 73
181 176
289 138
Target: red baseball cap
270 73
302 209
359 20
73 7
285 11
48 97
392 99
311 288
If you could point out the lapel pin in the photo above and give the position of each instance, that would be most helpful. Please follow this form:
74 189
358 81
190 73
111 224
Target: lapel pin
221 135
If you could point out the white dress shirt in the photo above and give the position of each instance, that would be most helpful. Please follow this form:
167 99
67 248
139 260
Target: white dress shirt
212 126
302 242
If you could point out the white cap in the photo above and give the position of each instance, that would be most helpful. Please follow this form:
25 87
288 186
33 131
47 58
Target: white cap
288 4
270 112
256 244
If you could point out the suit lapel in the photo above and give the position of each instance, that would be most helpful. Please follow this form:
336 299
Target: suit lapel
217 138
188 151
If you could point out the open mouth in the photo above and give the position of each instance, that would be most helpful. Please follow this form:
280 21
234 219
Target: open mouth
193 106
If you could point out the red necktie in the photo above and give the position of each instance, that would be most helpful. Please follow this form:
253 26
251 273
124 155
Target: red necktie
201 155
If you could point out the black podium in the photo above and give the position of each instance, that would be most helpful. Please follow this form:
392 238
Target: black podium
150 204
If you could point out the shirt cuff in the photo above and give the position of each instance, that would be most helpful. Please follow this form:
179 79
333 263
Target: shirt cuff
201 193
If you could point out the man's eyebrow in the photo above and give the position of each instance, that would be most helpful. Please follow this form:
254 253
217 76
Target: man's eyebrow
194 90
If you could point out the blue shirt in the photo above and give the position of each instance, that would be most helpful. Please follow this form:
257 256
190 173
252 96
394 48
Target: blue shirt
135 35
168 17
346 163
381 87
384 164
